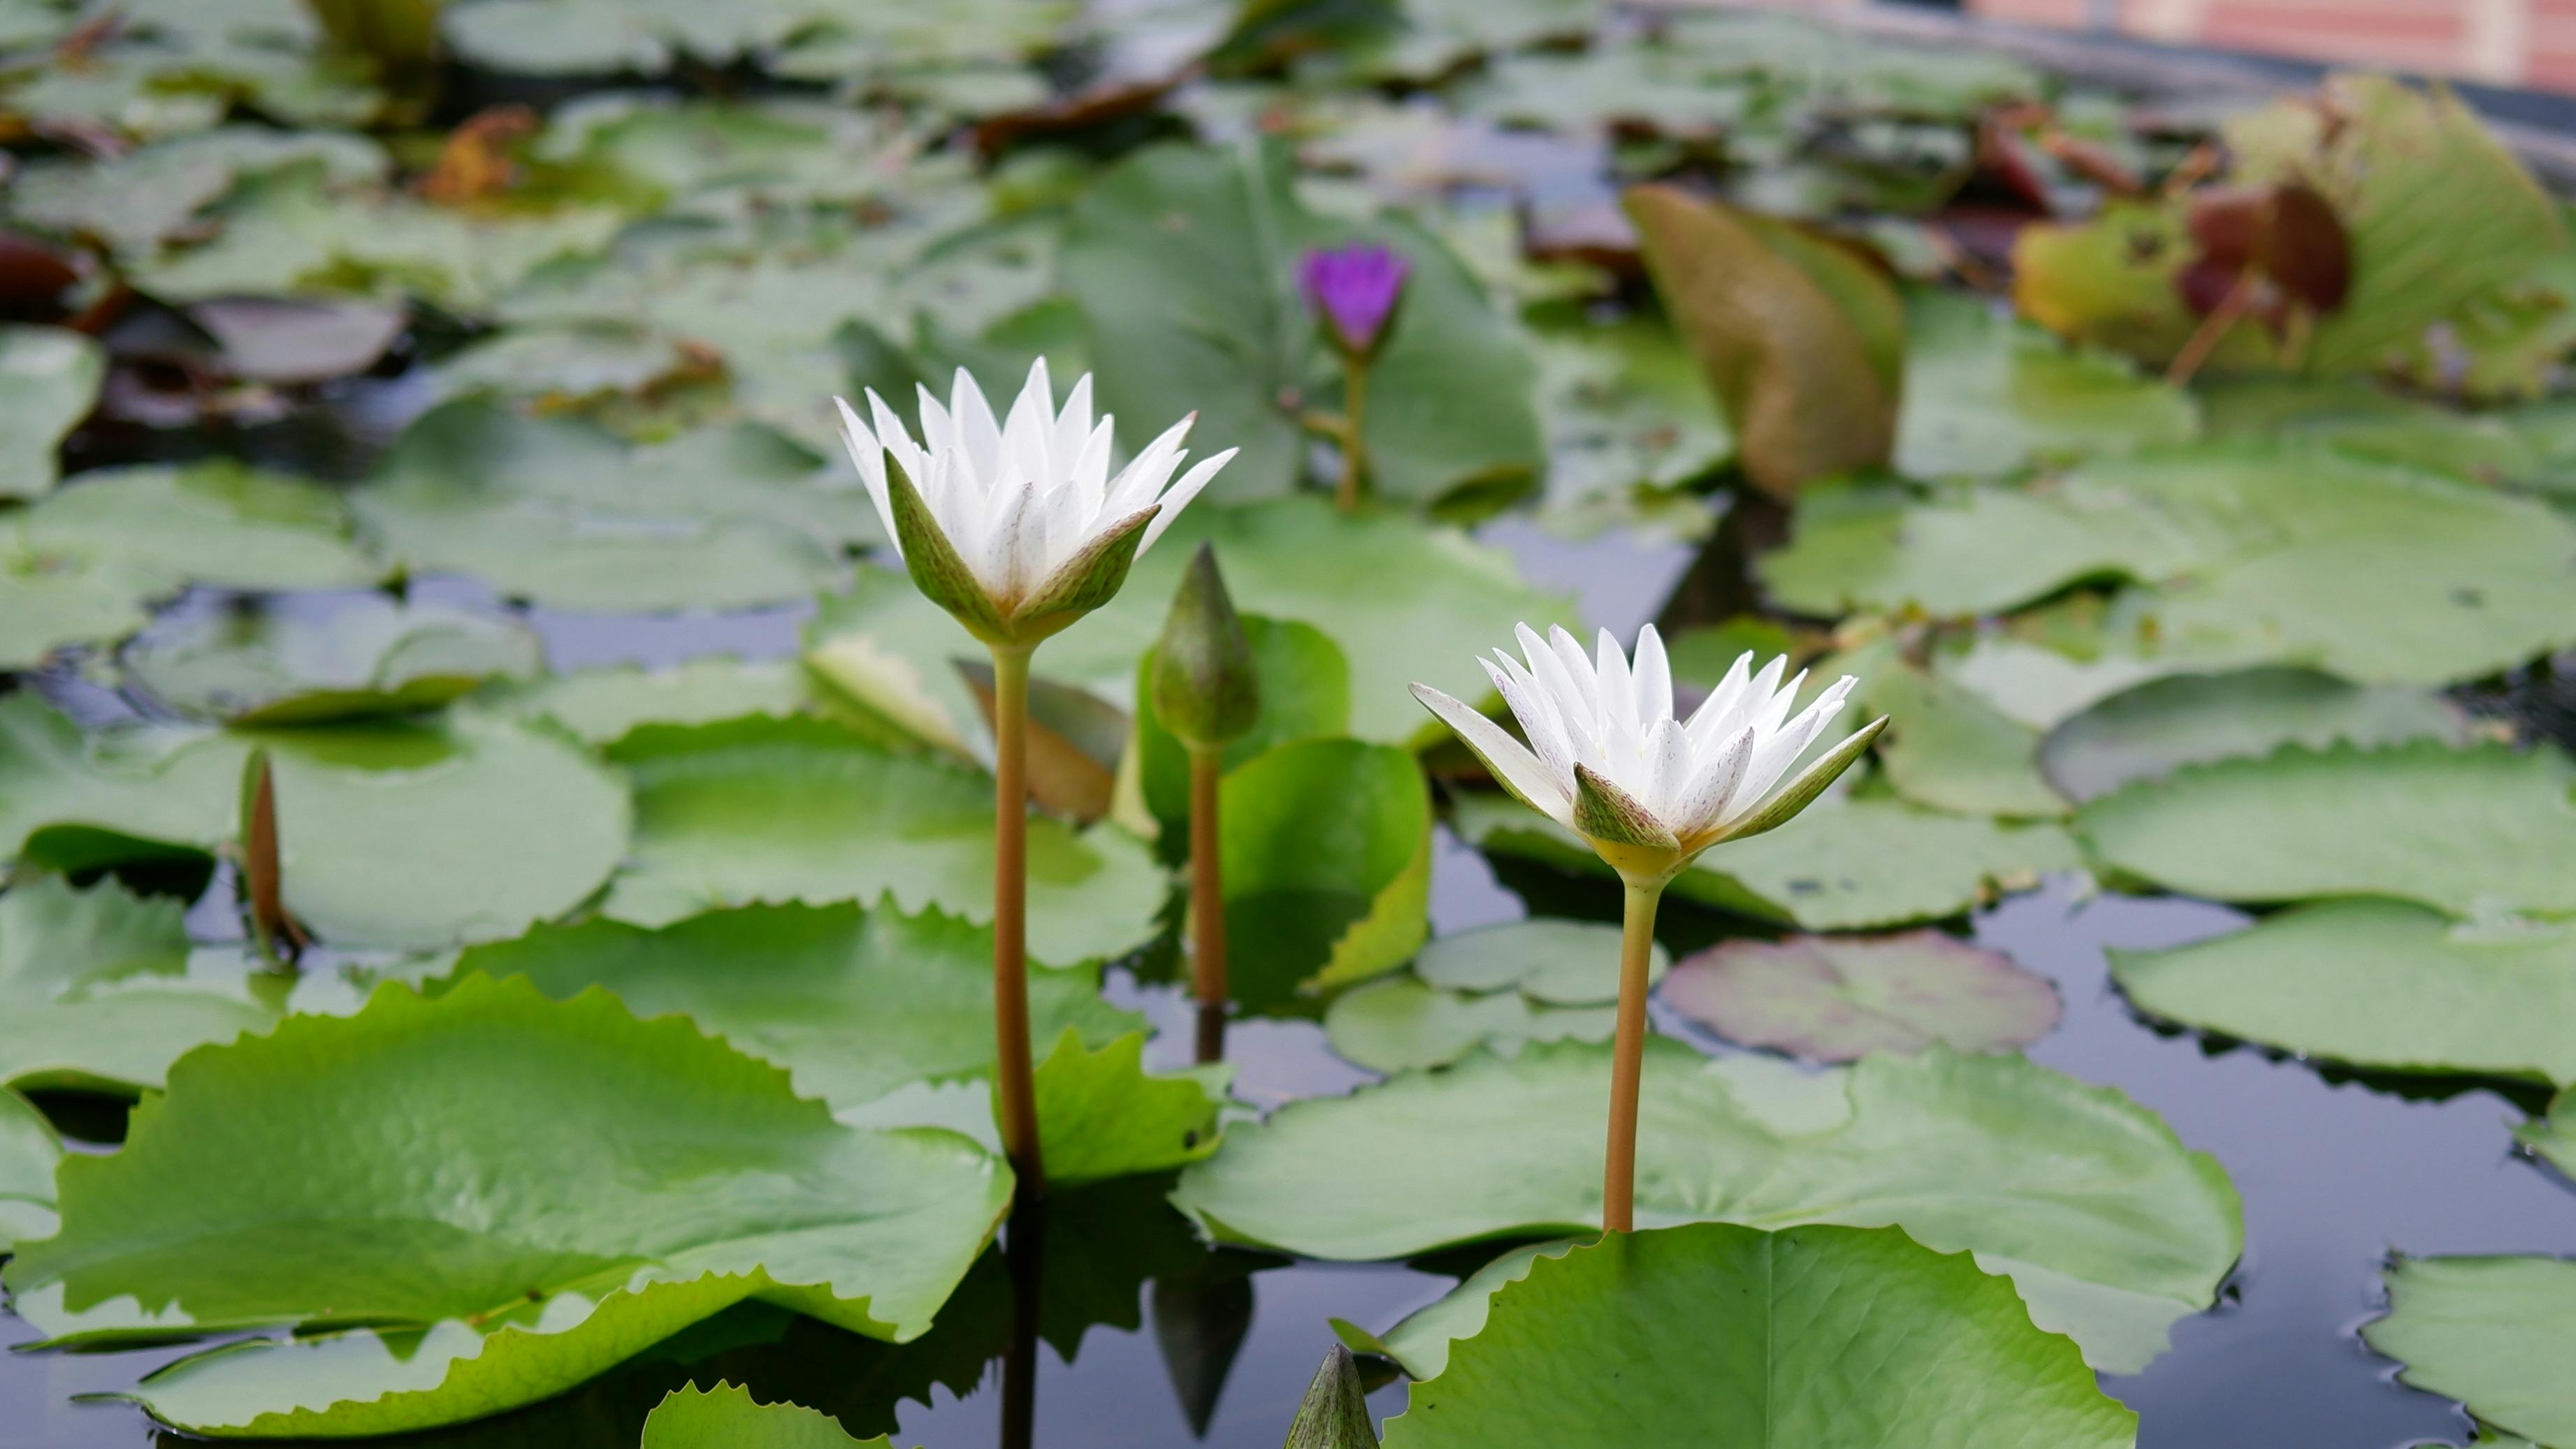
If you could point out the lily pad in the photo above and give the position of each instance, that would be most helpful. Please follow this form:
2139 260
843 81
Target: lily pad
2149 731
2463 830
1326 850
290 661
1837 999
562 512
1406 600
139 199
2111 1228
1985 394
2487 1332
1548 959
603 706
1948 748
728 1186
2381 984
772 810
853 1003
1846 864
1184 262
2286 552
1581 1347
1626 415
102 991
216 523
727 1417
1403 1021
73 801
49 379
28 1151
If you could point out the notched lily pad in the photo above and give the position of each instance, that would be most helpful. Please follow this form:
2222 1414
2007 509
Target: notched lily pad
1548 959
49 378
2488 1332
2157 727
728 1417
310 660
29 1149
1837 999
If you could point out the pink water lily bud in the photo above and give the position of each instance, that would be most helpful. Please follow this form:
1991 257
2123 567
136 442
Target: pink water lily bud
1353 291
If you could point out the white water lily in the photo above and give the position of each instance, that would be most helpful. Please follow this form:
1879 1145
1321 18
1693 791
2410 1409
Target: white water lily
1016 525
1608 759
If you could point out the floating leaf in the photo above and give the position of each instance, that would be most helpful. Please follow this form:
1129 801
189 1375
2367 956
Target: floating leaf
1183 261
853 1003
2459 829
1801 340
283 661
1582 1346
1560 962
1420 1344
727 1417
2487 1332
1836 999
1101 1115
777 810
1390 1025
49 378
1626 414
99 990
1948 748
28 1151
511 1275
1405 600
150 194
2111 1229
603 706
1987 395
1846 864
2155 728
562 512
76 802
2381 984
1326 847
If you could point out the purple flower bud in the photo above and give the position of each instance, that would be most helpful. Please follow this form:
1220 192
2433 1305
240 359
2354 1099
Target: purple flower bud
1353 290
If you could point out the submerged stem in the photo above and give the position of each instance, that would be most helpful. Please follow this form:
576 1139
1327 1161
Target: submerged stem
1207 904
1628 1059
1354 424
1014 1090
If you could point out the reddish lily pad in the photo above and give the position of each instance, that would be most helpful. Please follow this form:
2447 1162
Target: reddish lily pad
1838 998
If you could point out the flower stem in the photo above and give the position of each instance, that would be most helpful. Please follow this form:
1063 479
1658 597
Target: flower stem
1014 1090
1354 425
1628 1059
1207 904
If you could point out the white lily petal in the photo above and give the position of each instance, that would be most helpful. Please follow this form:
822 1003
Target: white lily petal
1703 802
869 455
1180 495
1652 675
979 436
1667 766
1781 750
1073 425
1708 722
1546 733
1618 695
1513 765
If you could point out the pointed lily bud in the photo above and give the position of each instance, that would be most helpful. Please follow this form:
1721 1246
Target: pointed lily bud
274 934
1335 1413
1205 690
1353 291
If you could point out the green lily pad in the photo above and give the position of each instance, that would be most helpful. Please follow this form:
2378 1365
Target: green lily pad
1402 1022
2286 552
1843 865
603 706
1627 418
562 512
102 991
216 523
2155 728
1326 850
49 379
391 834
28 1151
1420 1343
2489 1333
2464 830
2553 1136
716 158
1184 262
275 1183
1549 959
727 1417
1985 394
853 1003
2382 984
150 194
294 232
277 661
1581 1347
1947 747
776 810
1837 999
1406 600
2111 1228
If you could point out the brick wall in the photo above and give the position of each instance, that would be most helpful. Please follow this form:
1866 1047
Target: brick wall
2506 42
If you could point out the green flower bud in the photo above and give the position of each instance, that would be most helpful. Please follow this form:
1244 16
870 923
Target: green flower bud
1335 1412
1204 688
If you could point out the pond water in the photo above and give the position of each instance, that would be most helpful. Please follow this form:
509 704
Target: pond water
1216 1348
